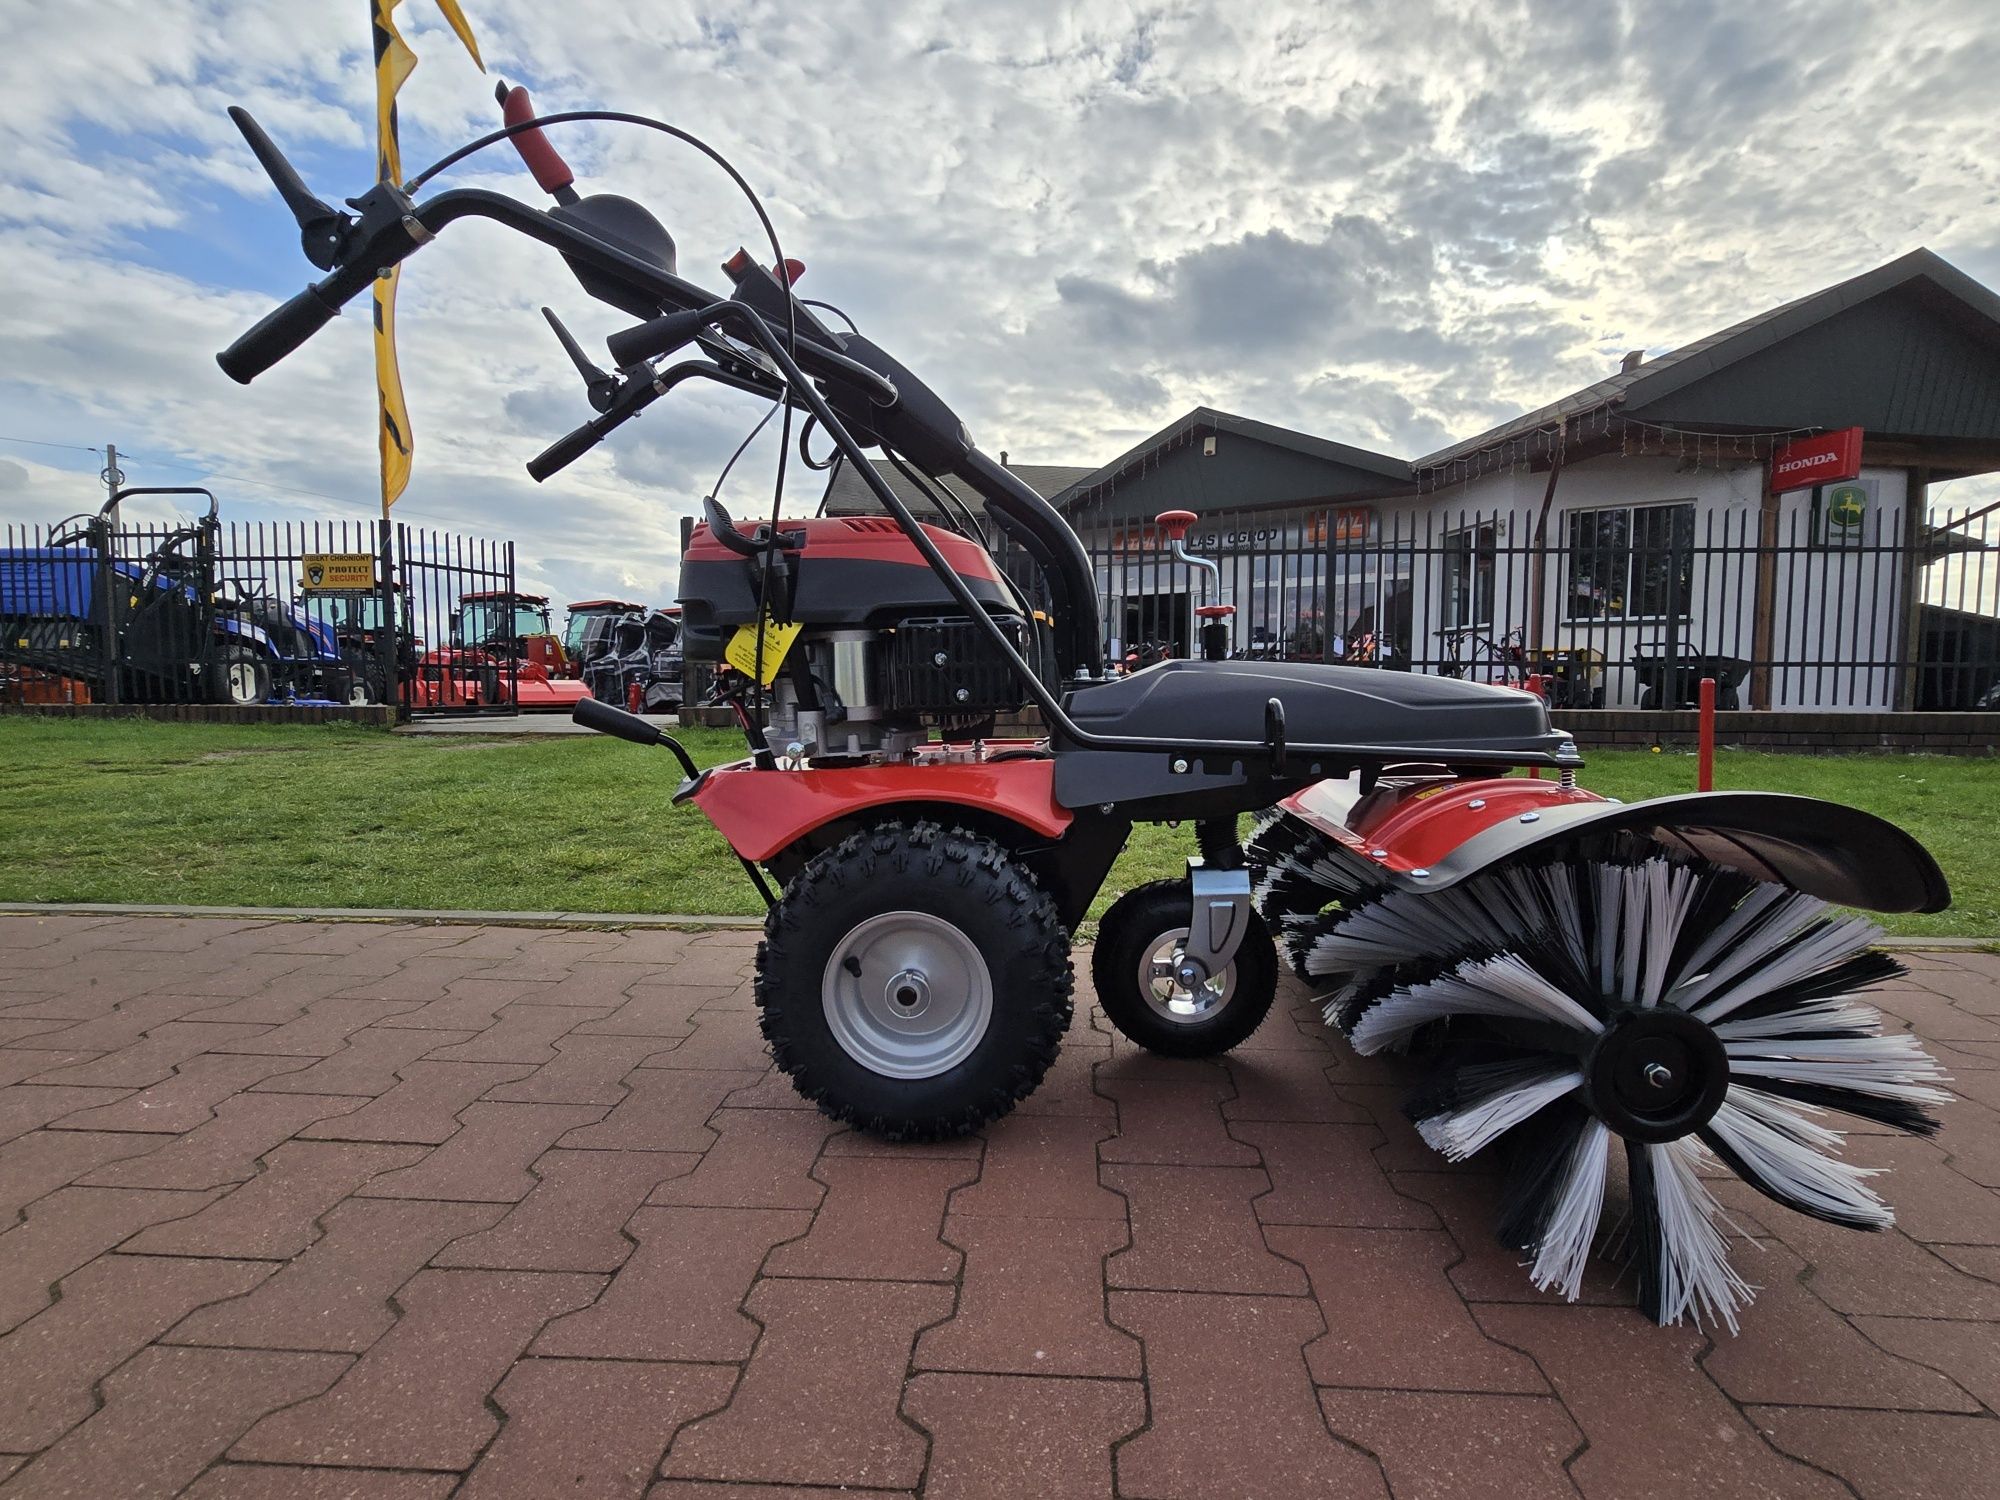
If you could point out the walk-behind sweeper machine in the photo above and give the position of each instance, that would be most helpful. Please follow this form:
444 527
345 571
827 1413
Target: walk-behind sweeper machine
1670 977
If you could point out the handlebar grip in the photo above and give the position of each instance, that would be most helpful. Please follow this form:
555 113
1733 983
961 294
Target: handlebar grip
566 450
552 173
277 334
655 337
605 719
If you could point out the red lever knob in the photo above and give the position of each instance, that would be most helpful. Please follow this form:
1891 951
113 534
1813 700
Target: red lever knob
1175 522
551 171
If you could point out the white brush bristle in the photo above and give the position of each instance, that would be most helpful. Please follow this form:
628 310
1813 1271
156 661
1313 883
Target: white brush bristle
1513 951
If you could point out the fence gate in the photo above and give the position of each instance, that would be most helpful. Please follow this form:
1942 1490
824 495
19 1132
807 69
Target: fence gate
465 623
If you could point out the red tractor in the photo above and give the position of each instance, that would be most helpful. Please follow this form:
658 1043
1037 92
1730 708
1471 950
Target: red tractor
502 651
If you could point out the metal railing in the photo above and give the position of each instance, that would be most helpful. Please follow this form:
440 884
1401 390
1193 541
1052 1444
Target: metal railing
282 614
1622 606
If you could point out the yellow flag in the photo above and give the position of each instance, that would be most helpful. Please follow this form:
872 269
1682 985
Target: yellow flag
394 62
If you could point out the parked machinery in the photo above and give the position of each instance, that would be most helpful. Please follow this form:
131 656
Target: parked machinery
640 665
163 626
587 631
1664 980
502 651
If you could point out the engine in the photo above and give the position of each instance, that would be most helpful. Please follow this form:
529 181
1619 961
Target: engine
884 653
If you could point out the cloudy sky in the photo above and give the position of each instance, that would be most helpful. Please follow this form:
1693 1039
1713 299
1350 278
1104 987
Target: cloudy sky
1389 222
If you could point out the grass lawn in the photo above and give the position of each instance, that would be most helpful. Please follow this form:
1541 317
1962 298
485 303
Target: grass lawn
125 810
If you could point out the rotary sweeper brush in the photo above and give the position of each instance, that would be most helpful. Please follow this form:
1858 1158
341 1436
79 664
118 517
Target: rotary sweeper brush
1664 981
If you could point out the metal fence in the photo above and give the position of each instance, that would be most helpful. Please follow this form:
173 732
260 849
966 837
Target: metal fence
1620 606
298 614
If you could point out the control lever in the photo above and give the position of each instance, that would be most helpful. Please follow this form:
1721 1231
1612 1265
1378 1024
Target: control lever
551 172
601 387
322 228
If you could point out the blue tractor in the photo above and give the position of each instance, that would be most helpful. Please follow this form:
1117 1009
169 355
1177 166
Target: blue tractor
163 626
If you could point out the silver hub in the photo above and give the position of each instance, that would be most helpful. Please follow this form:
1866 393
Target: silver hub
907 995
1163 979
242 682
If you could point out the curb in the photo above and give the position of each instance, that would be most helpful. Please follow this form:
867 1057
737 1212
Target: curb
615 919
379 914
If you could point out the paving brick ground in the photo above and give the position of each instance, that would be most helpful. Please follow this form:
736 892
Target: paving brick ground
386 1211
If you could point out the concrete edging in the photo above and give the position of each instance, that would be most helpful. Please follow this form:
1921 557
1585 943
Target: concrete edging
374 914
584 919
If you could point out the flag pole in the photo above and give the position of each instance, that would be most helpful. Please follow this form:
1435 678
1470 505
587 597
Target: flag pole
394 62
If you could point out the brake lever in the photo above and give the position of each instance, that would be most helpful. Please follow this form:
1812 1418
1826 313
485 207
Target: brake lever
322 227
601 388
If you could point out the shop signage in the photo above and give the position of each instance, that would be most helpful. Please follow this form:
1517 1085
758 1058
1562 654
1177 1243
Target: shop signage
337 570
1841 513
1826 459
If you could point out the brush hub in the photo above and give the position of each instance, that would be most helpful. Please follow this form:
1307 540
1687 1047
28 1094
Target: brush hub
1655 1075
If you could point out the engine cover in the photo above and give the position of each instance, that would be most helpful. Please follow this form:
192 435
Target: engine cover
854 573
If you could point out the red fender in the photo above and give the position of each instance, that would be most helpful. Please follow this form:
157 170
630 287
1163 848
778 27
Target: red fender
761 813
1838 853
1416 828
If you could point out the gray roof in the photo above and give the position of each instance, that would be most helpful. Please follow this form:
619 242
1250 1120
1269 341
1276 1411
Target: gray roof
1650 382
848 494
1393 471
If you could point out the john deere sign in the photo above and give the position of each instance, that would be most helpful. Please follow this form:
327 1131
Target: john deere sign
329 571
1842 512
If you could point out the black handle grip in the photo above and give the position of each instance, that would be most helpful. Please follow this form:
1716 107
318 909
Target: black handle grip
655 337
592 713
566 450
277 334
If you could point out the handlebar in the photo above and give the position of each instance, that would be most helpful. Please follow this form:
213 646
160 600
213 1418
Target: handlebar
277 334
656 337
634 397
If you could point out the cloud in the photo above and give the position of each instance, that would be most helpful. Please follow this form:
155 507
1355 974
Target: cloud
1390 225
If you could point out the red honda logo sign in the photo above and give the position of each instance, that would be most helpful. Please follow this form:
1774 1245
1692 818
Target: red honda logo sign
1826 459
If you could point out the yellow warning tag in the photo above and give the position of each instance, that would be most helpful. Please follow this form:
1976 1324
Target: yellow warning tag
741 652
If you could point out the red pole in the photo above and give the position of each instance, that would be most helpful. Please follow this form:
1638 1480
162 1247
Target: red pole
1705 760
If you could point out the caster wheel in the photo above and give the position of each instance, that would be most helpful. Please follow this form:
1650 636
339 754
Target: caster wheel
1138 943
914 981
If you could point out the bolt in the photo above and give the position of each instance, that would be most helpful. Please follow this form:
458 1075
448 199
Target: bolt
1420 874
1180 768
1531 817
940 659
1378 853
963 694
1476 803
1659 1075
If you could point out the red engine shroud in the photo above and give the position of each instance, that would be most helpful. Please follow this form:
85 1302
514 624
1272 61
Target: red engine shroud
762 813
859 539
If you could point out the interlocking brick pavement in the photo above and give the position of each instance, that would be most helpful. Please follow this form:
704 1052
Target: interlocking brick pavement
382 1212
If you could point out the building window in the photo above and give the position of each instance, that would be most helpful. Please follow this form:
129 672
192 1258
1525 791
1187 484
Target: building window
1468 577
1631 562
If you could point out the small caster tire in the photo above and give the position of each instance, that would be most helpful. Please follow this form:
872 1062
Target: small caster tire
914 981
1131 969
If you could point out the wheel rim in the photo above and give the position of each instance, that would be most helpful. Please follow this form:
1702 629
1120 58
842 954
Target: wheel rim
907 995
1167 996
243 681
